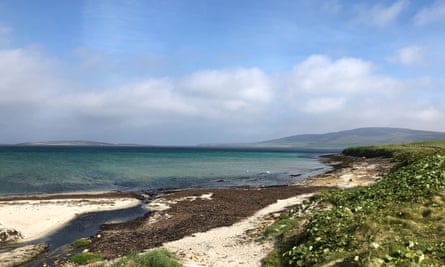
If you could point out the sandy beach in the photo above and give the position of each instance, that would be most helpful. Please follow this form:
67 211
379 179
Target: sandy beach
25 218
35 219
230 246
203 227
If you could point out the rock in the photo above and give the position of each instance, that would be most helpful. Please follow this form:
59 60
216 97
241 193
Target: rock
21 255
9 234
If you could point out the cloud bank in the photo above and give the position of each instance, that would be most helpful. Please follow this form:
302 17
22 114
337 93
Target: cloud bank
318 94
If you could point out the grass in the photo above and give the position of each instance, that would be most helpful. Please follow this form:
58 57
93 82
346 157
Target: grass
85 257
404 153
399 221
81 243
154 258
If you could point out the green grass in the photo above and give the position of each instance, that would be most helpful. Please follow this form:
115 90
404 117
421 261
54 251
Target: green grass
404 153
284 224
81 243
155 258
399 221
85 257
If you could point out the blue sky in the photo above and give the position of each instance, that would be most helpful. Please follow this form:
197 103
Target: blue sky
188 72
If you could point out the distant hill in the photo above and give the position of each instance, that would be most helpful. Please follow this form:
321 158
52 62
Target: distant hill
342 139
328 141
355 137
65 143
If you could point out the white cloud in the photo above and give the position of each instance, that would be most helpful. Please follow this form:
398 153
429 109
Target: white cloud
431 14
212 94
139 103
328 94
27 76
319 74
245 84
318 94
410 55
323 105
379 15
228 90
426 114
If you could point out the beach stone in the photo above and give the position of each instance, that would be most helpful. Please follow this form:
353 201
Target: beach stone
9 234
21 255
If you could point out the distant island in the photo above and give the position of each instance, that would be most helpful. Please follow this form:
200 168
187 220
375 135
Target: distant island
65 143
327 141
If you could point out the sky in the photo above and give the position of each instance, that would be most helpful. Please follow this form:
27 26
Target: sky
178 72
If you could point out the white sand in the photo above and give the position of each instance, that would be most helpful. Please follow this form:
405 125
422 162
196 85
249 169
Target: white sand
38 218
225 246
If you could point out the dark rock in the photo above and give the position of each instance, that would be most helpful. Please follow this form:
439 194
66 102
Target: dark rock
9 234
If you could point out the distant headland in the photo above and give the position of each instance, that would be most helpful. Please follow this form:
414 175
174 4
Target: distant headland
333 140
65 143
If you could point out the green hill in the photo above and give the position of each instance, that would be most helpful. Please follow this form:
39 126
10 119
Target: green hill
355 137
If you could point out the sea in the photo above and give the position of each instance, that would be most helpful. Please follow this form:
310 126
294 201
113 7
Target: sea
62 169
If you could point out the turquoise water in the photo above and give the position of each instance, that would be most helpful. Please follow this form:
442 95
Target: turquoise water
26 169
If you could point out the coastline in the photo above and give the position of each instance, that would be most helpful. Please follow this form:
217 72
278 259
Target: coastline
179 215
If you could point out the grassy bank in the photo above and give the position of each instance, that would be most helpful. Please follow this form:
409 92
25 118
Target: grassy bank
405 153
399 221
154 258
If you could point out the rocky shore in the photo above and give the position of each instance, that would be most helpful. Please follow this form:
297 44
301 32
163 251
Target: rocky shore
181 215
188 213
191 223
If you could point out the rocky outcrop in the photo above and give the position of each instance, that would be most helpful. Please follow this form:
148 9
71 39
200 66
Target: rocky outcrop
9 234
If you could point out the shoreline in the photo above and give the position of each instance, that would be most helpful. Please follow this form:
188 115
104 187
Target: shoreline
26 221
181 213
43 214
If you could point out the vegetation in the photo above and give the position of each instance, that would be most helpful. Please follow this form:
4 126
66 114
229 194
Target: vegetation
361 136
399 221
405 153
81 243
85 257
154 258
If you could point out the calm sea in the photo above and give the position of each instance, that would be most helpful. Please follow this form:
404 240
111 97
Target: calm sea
48 169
